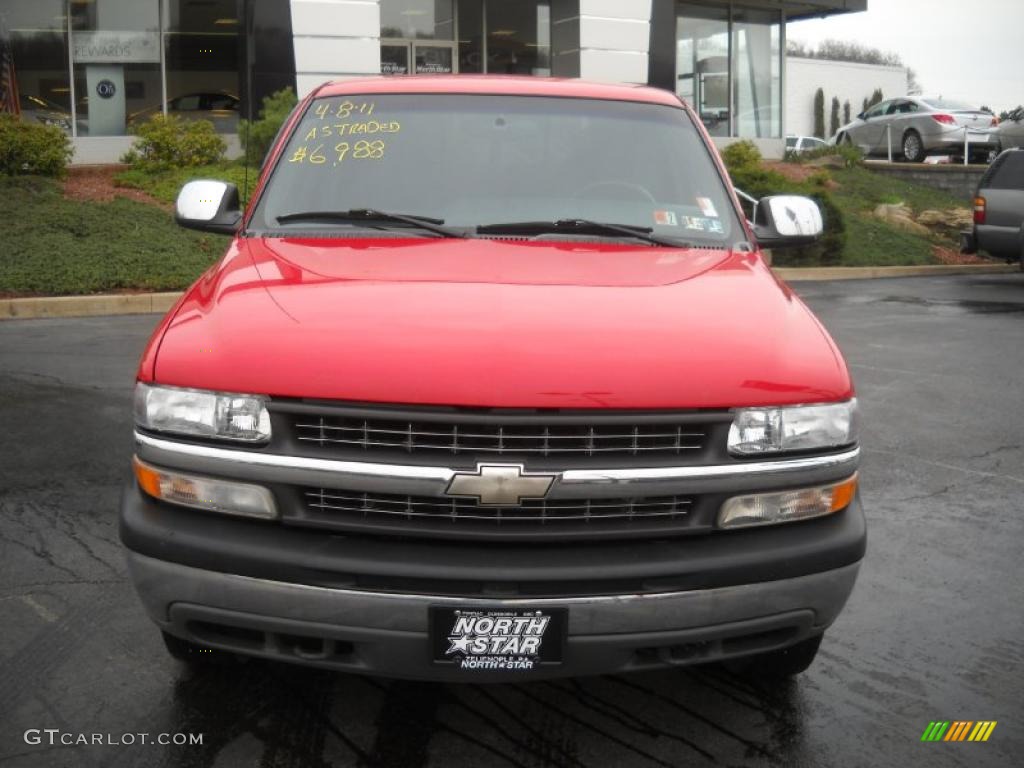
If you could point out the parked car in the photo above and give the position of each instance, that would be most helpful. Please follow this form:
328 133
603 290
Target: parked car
999 210
221 109
801 144
922 126
1011 130
49 113
474 395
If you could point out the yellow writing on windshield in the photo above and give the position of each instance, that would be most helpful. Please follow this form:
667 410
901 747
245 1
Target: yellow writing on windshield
343 109
352 129
318 155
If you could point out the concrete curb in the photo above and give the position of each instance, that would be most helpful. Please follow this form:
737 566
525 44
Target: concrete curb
798 274
150 303
82 306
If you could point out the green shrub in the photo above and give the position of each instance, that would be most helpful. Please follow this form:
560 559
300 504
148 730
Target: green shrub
741 155
32 148
258 135
166 184
748 173
819 113
170 142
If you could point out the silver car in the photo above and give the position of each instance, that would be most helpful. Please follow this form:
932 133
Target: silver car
801 144
918 126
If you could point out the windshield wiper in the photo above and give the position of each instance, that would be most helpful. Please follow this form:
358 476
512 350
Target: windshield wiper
577 226
372 215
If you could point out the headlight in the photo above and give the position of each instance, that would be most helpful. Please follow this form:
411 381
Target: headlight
224 496
202 414
793 428
770 508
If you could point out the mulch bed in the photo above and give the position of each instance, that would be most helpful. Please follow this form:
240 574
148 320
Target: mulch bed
96 183
793 171
951 256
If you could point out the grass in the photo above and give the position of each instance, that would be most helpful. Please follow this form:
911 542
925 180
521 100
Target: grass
54 246
862 189
165 185
873 242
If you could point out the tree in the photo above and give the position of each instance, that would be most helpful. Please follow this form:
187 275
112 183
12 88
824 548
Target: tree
846 112
865 105
913 86
876 98
819 114
799 49
1015 115
840 50
833 124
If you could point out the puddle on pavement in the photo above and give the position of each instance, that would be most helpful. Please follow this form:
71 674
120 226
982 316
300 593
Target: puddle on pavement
962 306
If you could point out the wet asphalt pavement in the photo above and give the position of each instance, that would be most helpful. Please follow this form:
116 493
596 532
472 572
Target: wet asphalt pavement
933 630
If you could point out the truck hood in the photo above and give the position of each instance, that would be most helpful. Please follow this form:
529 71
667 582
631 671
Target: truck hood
498 323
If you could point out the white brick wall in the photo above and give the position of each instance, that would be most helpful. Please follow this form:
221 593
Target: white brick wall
848 81
614 40
334 40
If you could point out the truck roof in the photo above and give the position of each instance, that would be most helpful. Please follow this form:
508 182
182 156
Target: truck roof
504 85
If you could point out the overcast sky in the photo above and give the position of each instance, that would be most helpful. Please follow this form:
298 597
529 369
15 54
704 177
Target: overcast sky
970 50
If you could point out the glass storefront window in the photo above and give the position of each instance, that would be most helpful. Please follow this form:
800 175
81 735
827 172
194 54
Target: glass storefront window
33 38
757 73
202 54
394 58
702 63
518 37
471 36
417 37
417 19
494 36
116 55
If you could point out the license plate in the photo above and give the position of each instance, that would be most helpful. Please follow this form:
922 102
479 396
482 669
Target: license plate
480 639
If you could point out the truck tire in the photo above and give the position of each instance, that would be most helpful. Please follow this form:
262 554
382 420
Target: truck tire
190 653
780 664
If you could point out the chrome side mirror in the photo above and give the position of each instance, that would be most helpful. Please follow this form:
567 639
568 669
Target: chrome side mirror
209 206
787 221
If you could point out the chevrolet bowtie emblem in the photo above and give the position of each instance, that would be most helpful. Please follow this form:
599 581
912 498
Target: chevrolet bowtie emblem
500 484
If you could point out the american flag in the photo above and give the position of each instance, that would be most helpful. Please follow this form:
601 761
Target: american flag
8 81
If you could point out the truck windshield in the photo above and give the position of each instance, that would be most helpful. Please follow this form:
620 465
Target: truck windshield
471 161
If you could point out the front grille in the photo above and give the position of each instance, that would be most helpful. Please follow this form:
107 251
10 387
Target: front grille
428 515
551 440
499 439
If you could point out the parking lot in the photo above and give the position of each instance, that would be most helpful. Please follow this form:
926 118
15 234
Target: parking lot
933 630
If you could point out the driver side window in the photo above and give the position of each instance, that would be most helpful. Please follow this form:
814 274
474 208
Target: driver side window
902 108
877 110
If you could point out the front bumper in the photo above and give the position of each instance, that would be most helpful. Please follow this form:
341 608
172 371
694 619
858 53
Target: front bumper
337 601
387 634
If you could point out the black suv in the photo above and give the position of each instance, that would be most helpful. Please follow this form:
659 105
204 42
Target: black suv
999 210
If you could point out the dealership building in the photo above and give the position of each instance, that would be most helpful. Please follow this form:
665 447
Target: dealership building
97 67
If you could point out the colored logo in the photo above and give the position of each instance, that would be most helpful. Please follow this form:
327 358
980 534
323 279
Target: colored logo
105 89
958 730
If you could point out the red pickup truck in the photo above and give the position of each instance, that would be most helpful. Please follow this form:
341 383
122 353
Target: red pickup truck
494 383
